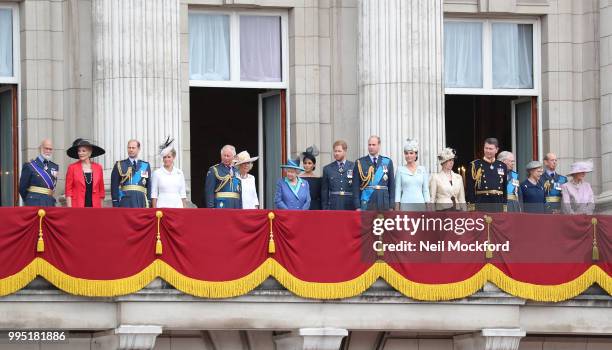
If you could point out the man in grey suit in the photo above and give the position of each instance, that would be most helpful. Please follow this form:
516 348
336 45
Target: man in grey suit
337 181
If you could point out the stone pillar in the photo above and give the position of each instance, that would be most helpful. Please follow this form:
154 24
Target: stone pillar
311 339
127 337
400 76
605 71
136 91
490 339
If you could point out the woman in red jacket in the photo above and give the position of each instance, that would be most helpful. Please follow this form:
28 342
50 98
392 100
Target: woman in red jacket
84 178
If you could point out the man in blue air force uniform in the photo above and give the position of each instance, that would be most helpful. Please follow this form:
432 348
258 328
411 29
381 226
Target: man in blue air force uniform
337 181
39 177
373 184
222 186
552 182
131 180
512 187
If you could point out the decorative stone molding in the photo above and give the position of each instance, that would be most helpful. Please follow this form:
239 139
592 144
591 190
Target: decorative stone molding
490 339
311 339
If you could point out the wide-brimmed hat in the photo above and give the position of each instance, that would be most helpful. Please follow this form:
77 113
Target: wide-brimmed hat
72 152
292 164
446 154
581 167
534 164
244 157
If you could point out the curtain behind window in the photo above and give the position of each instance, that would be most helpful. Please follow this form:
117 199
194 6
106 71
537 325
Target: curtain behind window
512 56
6 42
209 47
260 48
463 54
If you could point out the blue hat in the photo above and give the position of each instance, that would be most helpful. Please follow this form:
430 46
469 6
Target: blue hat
293 164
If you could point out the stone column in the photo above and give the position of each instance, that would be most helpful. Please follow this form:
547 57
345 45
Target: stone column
490 339
605 71
136 91
400 76
127 337
311 339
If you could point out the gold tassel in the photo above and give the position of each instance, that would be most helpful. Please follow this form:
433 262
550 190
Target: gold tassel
595 247
488 252
40 245
271 244
158 244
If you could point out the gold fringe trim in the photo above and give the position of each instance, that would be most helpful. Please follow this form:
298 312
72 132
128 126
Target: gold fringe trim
306 289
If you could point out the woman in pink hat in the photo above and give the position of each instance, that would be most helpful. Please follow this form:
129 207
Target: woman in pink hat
577 195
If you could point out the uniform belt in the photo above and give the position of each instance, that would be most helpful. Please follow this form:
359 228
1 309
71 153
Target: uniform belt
493 192
134 188
553 199
342 193
377 187
227 195
512 197
40 190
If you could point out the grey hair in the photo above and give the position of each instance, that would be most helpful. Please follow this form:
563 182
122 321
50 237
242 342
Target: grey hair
229 147
503 155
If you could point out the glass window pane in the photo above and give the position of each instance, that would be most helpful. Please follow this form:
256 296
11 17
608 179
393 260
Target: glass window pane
512 56
463 54
6 42
209 47
260 48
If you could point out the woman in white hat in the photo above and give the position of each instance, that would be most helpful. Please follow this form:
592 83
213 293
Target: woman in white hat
531 193
577 194
244 163
168 182
446 187
411 181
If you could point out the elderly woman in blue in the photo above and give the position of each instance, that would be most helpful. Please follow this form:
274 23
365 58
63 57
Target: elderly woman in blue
291 191
411 181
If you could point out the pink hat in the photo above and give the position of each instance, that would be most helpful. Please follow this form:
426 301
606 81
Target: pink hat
581 167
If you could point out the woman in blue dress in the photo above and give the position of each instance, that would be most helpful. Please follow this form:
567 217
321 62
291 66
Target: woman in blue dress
291 191
532 194
411 181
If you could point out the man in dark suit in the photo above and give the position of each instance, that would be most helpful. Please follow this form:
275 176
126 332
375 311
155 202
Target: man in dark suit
337 181
39 177
131 180
373 185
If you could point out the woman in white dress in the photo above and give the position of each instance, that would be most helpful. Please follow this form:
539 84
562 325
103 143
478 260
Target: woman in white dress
244 163
168 182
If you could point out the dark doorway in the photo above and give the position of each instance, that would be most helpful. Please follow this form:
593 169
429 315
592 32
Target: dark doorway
470 119
9 174
220 116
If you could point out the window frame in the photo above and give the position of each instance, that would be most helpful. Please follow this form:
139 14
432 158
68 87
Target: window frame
15 78
487 59
234 28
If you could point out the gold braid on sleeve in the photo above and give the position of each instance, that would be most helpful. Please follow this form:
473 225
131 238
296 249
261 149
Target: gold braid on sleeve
476 175
365 179
124 176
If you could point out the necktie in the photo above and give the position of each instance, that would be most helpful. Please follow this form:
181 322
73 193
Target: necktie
374 161
341 166
46 164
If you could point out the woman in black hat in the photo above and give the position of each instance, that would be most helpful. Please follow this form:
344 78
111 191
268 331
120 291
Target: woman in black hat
309 160
84 178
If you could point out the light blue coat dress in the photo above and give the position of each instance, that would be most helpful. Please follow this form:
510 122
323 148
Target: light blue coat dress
285 198
412 189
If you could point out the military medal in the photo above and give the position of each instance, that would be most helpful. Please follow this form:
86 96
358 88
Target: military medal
144 182
341 170
385 170
349 173
491 166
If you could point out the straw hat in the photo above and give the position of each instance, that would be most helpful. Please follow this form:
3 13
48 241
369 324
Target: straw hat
446 154
244 157
581 167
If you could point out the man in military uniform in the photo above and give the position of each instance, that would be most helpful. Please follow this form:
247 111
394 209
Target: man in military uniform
487 180
552 181
373 184
512 188
337 181
222 186
39 177
131 180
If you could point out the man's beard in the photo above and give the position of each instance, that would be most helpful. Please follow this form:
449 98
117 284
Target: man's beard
47 157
